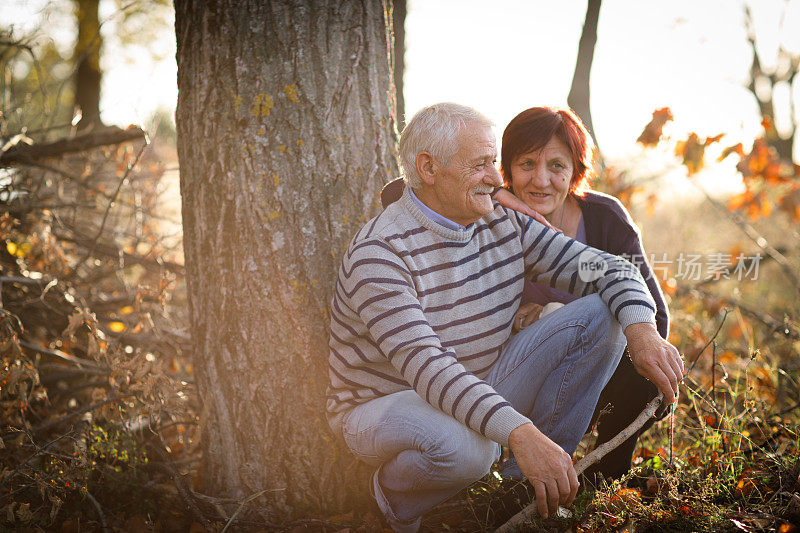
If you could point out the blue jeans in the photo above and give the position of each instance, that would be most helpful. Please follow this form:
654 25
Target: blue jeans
552 372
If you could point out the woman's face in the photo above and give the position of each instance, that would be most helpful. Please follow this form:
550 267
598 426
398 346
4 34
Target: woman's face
541 178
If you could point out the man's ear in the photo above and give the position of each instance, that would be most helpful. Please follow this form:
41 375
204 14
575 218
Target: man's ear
426 167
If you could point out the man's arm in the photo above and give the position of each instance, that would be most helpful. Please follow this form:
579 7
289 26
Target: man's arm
375 292
553 258
548 468
569 265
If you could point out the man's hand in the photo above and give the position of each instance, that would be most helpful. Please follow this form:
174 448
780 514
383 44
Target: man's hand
655 358
548 468
507 199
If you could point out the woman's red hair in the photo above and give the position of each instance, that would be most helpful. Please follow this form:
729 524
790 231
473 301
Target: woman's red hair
532 129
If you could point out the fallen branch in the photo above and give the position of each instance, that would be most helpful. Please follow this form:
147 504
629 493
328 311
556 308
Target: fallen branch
112 135
241 506
97 508
590 459
87 366
114 252
601 451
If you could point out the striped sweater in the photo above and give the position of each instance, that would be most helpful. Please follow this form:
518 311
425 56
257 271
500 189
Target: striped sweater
420 306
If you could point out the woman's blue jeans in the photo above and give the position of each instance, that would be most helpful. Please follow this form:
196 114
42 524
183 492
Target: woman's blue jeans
552 372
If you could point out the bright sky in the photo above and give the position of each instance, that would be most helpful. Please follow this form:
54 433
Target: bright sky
689 55
507 55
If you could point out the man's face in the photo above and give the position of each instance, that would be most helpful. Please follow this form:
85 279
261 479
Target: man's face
461 189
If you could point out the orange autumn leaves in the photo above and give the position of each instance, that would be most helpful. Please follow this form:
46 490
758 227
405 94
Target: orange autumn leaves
763 171
693 151
769 181
653 131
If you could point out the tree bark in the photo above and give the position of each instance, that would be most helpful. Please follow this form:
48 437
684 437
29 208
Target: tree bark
399 11
87 63
579 94
286 134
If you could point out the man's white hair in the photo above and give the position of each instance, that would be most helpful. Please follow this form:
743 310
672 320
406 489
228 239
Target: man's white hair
435 129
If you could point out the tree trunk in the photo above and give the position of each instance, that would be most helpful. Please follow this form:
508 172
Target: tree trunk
579 96
785 72
399 25
87 63
285 136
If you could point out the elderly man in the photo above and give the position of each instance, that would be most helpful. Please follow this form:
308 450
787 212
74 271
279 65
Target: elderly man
426 380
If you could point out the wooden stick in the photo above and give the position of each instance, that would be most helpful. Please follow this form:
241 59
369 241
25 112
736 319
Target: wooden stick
590 459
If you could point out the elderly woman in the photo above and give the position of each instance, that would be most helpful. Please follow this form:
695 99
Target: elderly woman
546 162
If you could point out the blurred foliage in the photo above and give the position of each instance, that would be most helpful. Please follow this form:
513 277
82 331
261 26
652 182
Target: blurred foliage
36 88
97 412
37 82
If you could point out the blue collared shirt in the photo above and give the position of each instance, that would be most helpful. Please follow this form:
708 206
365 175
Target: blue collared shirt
433 215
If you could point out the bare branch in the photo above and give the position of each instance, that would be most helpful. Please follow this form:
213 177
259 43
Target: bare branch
754 236
88 366
79 143
97 508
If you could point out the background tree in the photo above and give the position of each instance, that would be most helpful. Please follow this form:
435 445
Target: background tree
579 94
763 83
87 62
399 10
286 134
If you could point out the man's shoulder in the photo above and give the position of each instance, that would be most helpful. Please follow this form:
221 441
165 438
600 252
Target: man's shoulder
385 226
380 236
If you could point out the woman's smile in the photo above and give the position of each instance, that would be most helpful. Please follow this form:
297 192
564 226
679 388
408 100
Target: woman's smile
541 178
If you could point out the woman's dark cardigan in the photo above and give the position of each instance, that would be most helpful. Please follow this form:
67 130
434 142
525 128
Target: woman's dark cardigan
609 228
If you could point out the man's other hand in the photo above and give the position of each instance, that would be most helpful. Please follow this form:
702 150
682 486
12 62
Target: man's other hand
655 358
548 468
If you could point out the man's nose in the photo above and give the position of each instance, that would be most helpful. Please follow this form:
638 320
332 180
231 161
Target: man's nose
495 179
